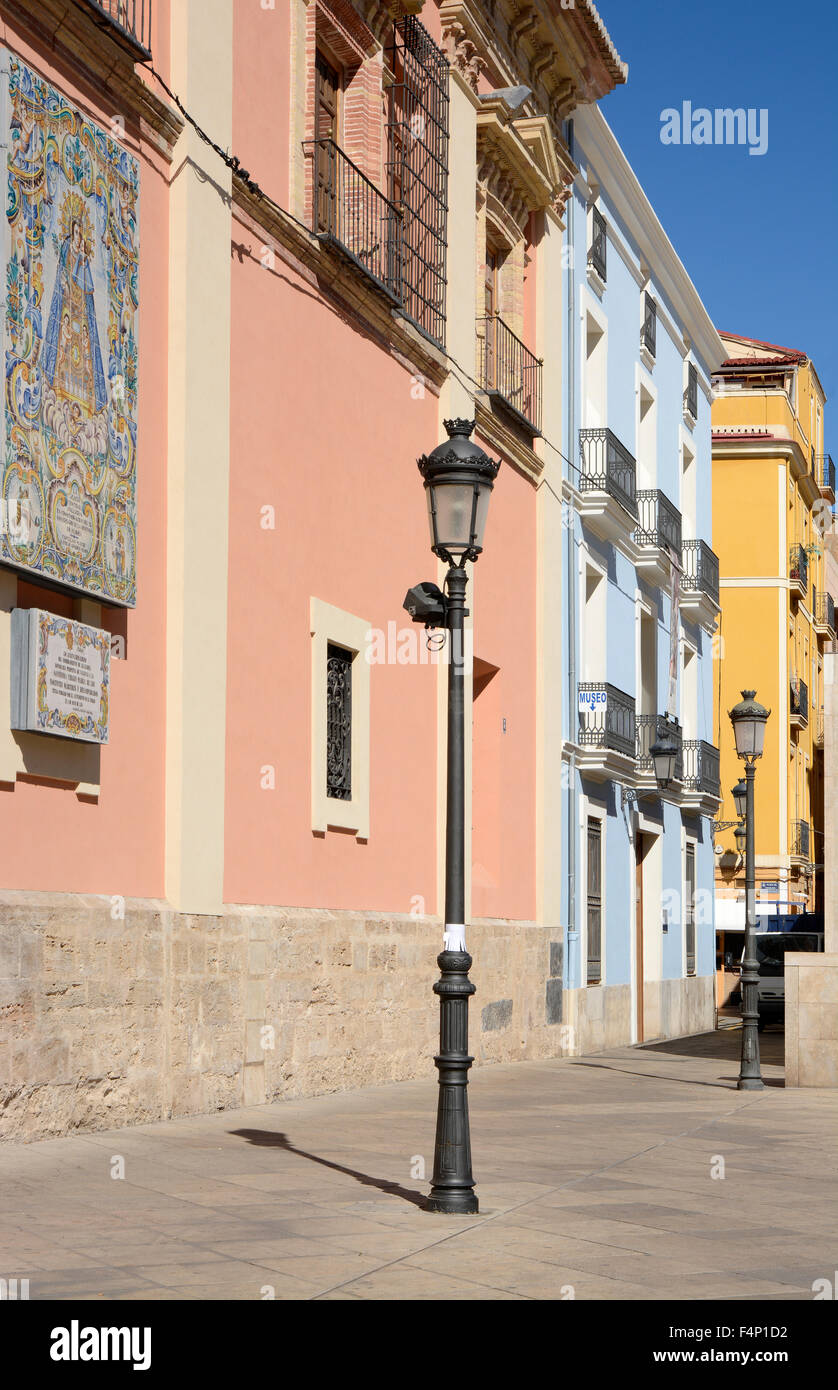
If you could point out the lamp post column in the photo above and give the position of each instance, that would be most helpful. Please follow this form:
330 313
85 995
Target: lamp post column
452 1187
750 1078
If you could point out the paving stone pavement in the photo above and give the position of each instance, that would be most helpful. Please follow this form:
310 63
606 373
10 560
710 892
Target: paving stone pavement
595 1179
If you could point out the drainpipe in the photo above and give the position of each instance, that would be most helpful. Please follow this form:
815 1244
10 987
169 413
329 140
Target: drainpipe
572 965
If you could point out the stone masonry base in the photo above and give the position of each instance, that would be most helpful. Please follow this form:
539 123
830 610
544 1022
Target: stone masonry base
116 1012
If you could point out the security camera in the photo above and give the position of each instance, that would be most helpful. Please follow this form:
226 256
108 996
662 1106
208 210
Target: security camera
426 603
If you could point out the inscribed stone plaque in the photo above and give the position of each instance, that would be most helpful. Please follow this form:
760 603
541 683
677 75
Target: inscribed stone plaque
60 676
70 248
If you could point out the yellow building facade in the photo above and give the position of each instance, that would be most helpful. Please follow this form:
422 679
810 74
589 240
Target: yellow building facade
773 492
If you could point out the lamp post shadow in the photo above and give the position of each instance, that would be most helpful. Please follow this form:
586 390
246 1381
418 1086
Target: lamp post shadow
273 1139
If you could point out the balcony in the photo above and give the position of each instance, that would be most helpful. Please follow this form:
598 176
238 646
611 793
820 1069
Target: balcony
702 783
128 20
700 582
799 570
824 614
800 840
825 476
608 485
818 736
607 731
351 214
650 728
658 535
509 372
798 703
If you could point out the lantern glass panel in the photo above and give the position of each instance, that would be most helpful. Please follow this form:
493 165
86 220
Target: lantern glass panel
664 756
750 737
456 514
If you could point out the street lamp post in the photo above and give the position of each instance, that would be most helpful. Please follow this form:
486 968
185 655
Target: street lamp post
459 478
749 719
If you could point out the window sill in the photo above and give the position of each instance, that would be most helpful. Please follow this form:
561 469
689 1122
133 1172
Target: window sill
596 281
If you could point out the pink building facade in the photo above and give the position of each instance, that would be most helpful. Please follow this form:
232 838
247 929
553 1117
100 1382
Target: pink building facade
348 229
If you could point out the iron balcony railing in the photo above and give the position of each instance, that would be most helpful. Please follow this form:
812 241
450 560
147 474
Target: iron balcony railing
825 473
352 213
799 567
130 18
508 369
819 730
660 521
650 728
824 609
799 698
701 569
800 839
607 466
606 718
597 255
701 767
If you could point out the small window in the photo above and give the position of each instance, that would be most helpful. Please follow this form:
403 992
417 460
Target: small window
599 242
339 723
650 325
691 395
594 901
689 908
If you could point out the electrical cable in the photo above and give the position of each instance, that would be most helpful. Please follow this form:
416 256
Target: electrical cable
235 166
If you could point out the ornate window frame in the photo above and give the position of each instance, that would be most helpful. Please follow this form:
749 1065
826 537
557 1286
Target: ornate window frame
328 625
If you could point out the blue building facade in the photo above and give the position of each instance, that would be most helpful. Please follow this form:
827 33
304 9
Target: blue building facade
639 615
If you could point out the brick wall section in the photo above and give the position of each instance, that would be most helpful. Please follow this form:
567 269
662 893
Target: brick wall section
109 1022
335 25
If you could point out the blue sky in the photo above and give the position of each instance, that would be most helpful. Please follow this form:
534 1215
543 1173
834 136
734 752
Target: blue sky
758 234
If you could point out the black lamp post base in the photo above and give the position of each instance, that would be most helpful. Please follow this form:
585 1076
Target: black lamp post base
452 1184
750 1083
452 1203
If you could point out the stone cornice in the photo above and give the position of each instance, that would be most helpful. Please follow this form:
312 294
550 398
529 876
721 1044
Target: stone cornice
325 270
506 440
378 15
520 162
101 60
563 54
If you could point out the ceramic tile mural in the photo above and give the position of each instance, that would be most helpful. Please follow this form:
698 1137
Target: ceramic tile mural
71 250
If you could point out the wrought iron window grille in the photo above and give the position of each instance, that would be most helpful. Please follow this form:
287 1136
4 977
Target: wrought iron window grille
691 393
338 723
417 172
649 331
598 251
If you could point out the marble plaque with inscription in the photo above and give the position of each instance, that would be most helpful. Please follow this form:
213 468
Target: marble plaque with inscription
60 676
